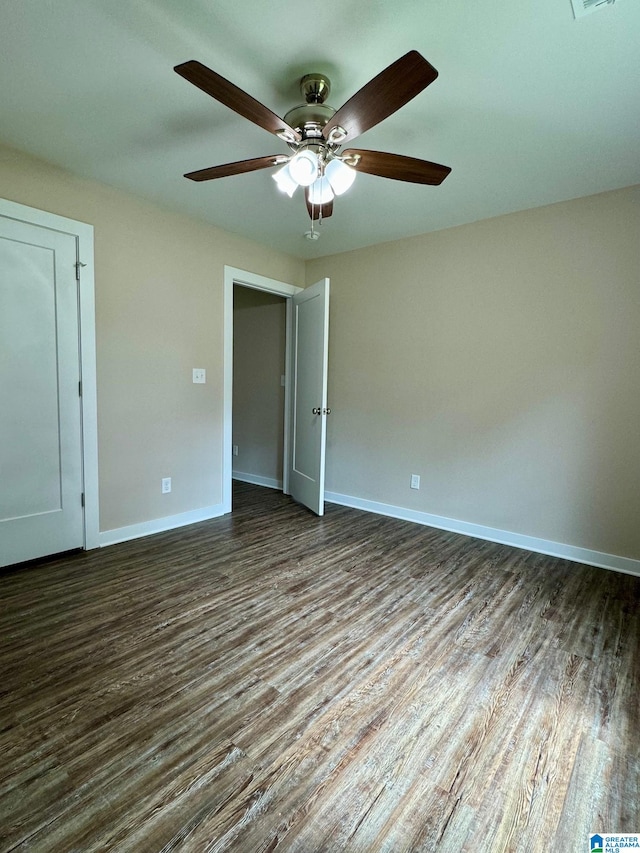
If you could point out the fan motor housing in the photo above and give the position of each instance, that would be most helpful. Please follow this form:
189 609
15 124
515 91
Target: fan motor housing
309 119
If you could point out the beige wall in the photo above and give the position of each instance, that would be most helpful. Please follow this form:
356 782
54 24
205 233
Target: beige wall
159 300
259 334
501 362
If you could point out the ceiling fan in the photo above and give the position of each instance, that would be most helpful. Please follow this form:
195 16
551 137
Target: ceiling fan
315 132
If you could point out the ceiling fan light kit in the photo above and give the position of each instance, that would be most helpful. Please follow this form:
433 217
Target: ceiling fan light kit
304 167
339 175
320 192
324 180
285 181
314 132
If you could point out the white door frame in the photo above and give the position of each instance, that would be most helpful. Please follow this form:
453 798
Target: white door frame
232 276
87 326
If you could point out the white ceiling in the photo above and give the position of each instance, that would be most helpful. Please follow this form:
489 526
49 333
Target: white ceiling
531 106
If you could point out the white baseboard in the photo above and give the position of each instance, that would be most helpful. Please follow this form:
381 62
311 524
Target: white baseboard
257 480
504 537
626 565
159 525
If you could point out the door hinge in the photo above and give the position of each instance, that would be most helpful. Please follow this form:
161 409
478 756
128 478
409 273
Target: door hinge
80 388
82 499
78 264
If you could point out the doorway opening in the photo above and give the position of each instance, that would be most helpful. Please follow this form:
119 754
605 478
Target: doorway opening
305 386
259 379
269 291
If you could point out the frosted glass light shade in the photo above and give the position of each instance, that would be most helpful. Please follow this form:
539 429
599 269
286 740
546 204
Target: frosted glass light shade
303 168
340 176
320 192
284 180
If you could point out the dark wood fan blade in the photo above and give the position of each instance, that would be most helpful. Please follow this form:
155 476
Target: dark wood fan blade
382 96
234 98
396 166
235 168
318 211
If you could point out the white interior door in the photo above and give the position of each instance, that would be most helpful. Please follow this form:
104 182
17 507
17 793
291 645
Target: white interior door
40 415
309 395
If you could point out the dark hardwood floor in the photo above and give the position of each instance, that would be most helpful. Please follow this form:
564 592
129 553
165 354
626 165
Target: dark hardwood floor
272 681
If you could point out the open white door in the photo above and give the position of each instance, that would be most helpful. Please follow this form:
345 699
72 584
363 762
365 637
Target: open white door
310 357
40 417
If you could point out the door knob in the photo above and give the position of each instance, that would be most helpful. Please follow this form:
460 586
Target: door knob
317 411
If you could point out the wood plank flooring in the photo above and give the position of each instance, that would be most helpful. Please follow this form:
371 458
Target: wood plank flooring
270 681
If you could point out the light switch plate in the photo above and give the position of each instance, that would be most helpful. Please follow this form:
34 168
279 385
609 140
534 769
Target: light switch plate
199 375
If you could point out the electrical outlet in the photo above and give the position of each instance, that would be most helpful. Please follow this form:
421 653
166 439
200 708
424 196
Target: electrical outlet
166 485
235 449
415 481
